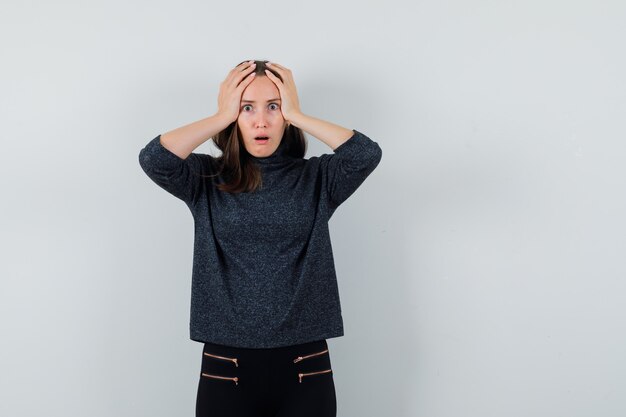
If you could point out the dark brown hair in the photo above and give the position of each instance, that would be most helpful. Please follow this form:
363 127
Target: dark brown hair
235 164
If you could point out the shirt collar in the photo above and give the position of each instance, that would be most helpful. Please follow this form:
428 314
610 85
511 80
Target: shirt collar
279 155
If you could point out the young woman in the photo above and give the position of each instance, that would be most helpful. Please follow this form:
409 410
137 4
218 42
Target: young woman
264 293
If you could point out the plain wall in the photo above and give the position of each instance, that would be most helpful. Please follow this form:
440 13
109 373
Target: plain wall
480 267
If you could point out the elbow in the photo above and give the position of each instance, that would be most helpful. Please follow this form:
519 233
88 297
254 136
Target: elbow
377 154
143 159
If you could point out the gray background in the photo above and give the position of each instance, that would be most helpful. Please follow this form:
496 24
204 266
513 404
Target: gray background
480 266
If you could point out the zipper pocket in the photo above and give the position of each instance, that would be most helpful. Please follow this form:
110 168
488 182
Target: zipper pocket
235 379
299 358
313 373
222 357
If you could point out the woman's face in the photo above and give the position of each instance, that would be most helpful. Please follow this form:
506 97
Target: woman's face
260 115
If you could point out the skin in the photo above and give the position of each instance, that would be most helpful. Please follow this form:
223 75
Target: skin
331 134
234 89
183 140
260 114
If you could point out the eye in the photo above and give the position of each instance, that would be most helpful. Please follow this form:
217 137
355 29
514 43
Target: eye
275 104
244 107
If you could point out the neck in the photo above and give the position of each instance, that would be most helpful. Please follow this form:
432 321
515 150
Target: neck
278 156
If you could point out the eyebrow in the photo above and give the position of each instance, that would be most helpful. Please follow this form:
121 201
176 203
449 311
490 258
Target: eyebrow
252 101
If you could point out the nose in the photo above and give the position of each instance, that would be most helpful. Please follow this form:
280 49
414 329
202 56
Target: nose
260 121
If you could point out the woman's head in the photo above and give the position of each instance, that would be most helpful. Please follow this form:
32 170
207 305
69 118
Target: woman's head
259 115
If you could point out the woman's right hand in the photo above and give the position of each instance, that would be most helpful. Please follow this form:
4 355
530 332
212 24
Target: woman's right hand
232 87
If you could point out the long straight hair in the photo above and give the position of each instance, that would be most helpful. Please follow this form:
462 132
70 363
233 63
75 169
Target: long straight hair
235 164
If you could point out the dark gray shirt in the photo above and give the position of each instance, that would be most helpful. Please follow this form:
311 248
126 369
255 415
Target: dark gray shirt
263 268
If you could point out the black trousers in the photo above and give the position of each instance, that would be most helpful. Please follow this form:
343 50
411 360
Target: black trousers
288 381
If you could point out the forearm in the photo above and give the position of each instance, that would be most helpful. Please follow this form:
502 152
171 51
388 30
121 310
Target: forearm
184 140
331 134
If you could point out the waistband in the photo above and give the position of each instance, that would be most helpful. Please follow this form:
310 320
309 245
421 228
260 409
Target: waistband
291 350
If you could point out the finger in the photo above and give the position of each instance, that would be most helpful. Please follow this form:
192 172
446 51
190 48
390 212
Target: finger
238 69
273 77
249 78
243 70
284 72
247 69
277 66
239 75
244 64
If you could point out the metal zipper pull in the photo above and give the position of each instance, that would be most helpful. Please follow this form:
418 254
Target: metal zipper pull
236 379
223 357
313 373
299 358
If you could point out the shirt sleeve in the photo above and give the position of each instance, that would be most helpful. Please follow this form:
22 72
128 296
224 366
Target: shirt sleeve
350 164
179 177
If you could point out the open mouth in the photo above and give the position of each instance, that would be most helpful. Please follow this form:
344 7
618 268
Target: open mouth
261 139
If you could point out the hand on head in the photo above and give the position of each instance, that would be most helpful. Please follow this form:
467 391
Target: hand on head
290 105
231 89
229 98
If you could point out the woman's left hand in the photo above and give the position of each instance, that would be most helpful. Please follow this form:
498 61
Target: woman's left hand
289 106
